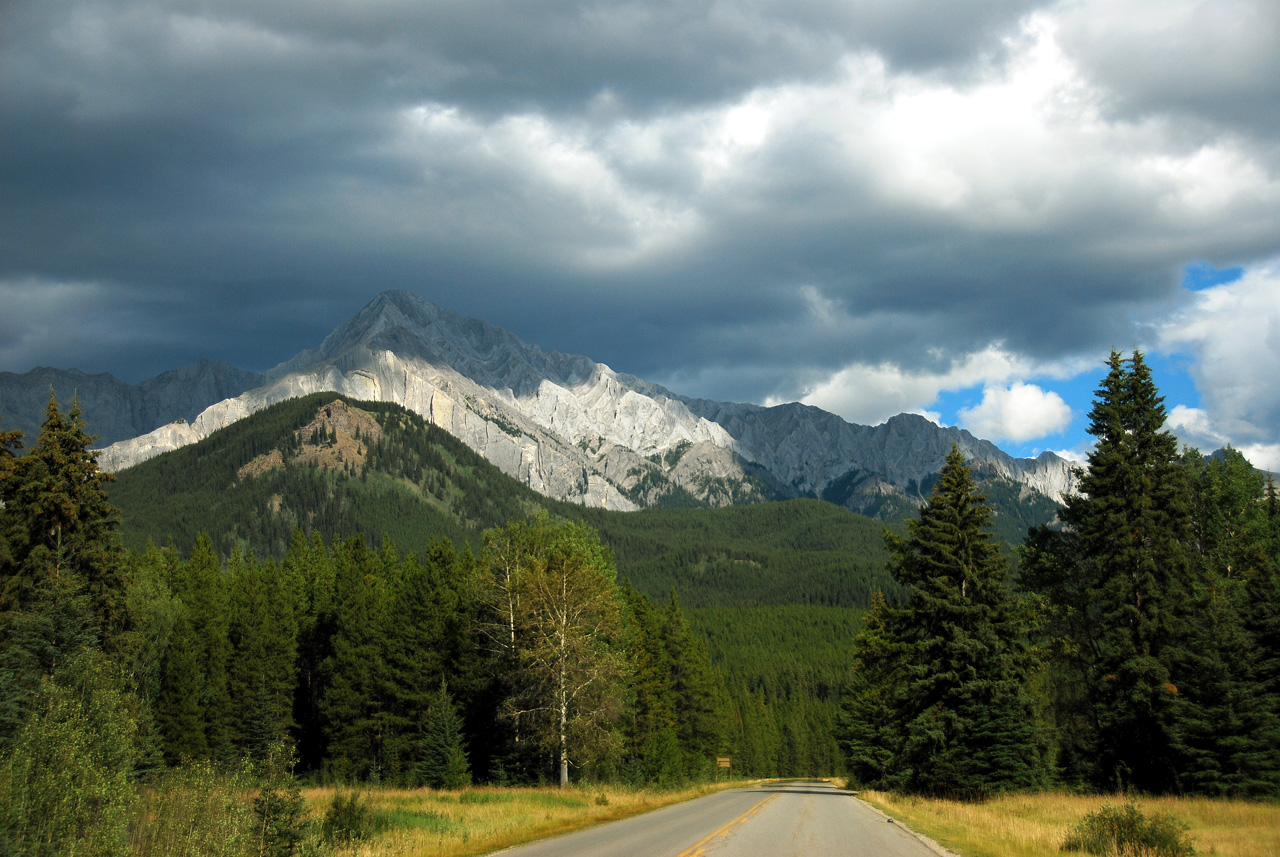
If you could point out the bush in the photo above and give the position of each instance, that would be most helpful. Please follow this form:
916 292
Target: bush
65 782
348 820
196 810
1125 831
281 817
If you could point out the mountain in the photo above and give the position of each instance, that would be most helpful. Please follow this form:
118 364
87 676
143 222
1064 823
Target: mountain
114 410
576 430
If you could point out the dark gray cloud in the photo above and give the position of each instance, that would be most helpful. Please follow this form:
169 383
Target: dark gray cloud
743 200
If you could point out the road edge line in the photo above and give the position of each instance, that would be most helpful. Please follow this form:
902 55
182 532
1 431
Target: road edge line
924 840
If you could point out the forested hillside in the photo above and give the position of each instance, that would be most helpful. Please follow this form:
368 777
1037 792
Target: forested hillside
797 574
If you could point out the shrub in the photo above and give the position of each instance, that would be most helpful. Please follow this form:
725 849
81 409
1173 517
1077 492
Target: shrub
281 817
65 781
1125 831
348 819
196 810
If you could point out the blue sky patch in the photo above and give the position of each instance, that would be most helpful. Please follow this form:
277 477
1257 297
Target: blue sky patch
1169 371
1201 275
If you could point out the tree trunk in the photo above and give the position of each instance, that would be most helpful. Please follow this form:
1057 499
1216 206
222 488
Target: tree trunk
564 722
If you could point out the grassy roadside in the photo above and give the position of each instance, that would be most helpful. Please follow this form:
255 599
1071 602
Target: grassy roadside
426 823
1034 825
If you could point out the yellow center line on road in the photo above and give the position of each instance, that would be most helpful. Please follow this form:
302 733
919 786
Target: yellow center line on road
724 831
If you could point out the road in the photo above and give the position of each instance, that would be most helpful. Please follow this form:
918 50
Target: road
812 819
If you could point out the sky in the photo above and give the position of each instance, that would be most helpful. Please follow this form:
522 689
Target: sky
873 206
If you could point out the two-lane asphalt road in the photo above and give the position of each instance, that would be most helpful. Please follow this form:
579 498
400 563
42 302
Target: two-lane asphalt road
812 819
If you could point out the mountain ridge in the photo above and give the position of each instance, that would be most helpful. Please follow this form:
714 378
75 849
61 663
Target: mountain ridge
576 430
114 409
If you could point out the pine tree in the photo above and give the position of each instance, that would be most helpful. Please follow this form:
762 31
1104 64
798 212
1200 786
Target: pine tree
957 663
1123 574
870 729
651 707
421 650
208 607
61 568
309 571
10 531
179 715
61 520
695 692
443 760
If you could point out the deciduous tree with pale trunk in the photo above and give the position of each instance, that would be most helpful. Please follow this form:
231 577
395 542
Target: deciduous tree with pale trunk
554 604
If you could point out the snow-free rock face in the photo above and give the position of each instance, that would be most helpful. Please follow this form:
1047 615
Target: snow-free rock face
574 429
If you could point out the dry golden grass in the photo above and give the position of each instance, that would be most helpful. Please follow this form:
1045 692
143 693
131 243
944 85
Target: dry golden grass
1034 825
427 823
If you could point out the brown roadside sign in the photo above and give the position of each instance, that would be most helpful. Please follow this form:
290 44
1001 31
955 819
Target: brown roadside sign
724 761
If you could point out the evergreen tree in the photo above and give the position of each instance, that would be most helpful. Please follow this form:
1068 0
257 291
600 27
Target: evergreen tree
417 652
959 665
870 729
695 692
443 761
653 749
204 592
307 566
60 520
179 715
1229 734
10 444
354 706
1122 576
61 568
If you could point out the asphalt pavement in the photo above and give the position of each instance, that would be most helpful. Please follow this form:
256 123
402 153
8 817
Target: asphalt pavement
813 819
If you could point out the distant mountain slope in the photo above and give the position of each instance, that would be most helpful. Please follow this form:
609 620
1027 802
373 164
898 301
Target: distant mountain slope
342 467
114 410
575 430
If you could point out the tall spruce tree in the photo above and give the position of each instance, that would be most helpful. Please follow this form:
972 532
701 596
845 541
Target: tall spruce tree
310 570
1119 581
950 670
870 729
652 749
62 571
695 692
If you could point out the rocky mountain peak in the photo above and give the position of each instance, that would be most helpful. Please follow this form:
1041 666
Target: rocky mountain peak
575 429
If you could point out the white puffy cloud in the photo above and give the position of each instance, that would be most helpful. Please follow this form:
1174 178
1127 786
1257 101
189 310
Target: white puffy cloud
1232 332
1019 412
870 394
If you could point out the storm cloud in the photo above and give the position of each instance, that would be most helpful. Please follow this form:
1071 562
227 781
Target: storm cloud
857 204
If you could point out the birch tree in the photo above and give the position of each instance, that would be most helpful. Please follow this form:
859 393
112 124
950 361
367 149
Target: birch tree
555 602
